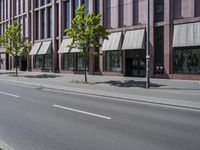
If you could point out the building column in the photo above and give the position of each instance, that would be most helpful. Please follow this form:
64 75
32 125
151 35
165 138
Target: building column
102 11
61 30
33 29
151 38
91 58
54 44
28 23
167 40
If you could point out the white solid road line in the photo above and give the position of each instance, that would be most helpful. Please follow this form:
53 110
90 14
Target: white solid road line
83 112
8 94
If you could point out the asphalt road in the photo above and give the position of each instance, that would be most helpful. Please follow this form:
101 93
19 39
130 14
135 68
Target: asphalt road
33 118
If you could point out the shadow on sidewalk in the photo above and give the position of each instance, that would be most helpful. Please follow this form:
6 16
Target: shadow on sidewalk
3 73
42 76
129 83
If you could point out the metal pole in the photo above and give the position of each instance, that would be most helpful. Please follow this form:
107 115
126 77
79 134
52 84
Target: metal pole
147 45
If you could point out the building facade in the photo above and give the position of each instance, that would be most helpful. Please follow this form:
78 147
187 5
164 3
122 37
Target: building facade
174 37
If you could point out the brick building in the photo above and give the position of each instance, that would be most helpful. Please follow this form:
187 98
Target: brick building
174 36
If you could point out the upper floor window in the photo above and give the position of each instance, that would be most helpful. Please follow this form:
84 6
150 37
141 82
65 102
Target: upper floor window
177 9
43 25
67 14
48 1
159 10
37 3
37 24
42 2
197 7
135 12
107 19
97 9
50 25
75 6
86 3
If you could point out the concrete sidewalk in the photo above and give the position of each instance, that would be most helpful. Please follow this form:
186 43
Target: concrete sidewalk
170 92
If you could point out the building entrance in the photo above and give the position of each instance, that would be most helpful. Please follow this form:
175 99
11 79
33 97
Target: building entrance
135 63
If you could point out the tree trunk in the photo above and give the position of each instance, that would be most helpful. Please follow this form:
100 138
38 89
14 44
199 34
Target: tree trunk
85 68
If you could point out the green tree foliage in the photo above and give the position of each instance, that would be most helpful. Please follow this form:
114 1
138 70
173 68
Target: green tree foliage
86 31
13 41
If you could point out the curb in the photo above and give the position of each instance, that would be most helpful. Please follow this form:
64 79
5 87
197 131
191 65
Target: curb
123 97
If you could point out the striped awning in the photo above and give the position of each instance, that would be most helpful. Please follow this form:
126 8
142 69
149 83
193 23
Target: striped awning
186 35
45 48
134 39
64 49
35 48
113 42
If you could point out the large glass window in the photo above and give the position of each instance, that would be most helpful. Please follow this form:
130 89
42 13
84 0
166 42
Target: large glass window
187 60
43 61
38 61
81 63
47 61
2 61
159 10
68 61
114 61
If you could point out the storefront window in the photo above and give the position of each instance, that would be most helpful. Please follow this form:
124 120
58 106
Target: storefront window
38 61
114 61
68 61
2 61
47 62
80 62
187 61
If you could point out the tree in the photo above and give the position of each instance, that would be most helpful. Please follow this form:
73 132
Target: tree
13 41
86 31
